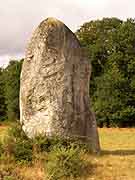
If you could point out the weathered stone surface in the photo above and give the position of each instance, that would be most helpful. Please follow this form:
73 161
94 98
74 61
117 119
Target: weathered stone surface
54 93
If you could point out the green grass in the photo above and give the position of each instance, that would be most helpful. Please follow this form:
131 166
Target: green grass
116 162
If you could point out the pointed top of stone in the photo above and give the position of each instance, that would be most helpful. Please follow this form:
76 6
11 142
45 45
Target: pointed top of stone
53 34
51 21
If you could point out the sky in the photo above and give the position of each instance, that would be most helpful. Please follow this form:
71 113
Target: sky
19 18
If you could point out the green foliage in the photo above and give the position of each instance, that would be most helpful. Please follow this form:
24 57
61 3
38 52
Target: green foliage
23 151
17 145
2 96
16 132
63 157
44 143
65 163
110 43
23 146
12 86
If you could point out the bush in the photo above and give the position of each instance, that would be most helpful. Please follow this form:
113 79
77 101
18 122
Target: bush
20 151
23 151
64 163
17 145
43 143
16 132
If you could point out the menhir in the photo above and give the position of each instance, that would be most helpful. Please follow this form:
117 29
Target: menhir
54 92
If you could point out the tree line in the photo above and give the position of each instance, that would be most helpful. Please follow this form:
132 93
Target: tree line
9 91
111 47
110 43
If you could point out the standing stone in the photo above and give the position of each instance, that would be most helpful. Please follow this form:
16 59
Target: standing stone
54 93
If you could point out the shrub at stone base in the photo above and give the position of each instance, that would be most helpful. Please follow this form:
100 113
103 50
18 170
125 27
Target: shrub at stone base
64 163
44 143
62 157
23 151
17 145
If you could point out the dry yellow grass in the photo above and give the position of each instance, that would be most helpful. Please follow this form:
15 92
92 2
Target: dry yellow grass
3 131
35 172
117 159
116 162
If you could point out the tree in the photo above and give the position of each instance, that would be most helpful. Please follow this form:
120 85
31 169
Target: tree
111 46
2 97
12 87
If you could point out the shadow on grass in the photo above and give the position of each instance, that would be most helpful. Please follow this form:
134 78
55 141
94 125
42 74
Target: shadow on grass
89 171
120 152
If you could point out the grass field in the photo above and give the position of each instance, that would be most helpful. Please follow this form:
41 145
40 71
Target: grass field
117 159
3 131
116 162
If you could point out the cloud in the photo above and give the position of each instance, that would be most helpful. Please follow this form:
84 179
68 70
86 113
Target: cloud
4 59
19 18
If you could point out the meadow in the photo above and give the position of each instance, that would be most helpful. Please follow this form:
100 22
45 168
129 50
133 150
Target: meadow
116 161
